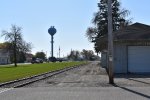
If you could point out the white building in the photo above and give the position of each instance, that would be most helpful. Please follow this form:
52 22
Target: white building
4 56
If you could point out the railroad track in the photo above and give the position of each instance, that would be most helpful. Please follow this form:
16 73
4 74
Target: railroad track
26 81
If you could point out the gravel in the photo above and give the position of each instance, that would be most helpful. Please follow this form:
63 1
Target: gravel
91 75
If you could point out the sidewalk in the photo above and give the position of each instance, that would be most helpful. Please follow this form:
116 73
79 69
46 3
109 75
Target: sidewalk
13 64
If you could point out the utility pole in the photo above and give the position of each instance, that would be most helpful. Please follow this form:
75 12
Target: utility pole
110 43
46 54
59 51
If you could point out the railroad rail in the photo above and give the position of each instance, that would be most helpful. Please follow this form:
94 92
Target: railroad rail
26 81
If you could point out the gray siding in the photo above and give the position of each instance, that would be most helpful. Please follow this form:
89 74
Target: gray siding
120 58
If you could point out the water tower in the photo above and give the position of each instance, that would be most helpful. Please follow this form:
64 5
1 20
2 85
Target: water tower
52 32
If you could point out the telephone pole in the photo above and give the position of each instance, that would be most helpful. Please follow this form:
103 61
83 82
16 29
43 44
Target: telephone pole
110 43
59 51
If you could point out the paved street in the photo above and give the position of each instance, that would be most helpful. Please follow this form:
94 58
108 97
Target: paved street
77 93
89 82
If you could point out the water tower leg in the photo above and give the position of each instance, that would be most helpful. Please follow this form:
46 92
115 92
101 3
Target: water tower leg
52 46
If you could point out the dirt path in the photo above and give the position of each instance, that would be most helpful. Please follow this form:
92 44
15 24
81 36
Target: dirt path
91 75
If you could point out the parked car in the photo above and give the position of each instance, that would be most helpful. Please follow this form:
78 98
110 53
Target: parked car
53 59
36 60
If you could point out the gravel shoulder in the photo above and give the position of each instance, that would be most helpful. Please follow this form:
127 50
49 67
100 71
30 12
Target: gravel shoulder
91 75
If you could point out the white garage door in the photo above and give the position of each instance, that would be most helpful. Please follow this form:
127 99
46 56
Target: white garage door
138 59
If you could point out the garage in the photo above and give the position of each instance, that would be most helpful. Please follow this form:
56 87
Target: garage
139 59
131 49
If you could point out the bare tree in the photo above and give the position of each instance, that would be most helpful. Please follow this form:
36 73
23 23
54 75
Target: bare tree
15 38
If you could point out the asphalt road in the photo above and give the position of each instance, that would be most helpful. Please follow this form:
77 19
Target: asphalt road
77 93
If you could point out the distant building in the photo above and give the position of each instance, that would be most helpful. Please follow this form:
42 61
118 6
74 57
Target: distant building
4 56
29 57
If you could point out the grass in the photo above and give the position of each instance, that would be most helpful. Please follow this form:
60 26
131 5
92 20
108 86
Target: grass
9 73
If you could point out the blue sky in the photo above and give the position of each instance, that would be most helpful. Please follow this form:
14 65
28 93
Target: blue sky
70 17
139 9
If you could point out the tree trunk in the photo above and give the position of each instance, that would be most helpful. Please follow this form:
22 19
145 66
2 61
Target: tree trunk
15 55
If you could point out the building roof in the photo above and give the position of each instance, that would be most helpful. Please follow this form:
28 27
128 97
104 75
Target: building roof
136 31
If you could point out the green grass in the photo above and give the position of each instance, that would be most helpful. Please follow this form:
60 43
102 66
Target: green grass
9 73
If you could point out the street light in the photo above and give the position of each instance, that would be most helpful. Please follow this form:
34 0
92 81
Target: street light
110 44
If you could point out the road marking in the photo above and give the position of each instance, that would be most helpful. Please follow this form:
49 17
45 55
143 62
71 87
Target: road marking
5 90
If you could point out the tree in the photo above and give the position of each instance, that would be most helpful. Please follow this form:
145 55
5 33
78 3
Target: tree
88 54
20 55
6 45
21 58
74 55
40 55
100 20
84 55
18 44
91 32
